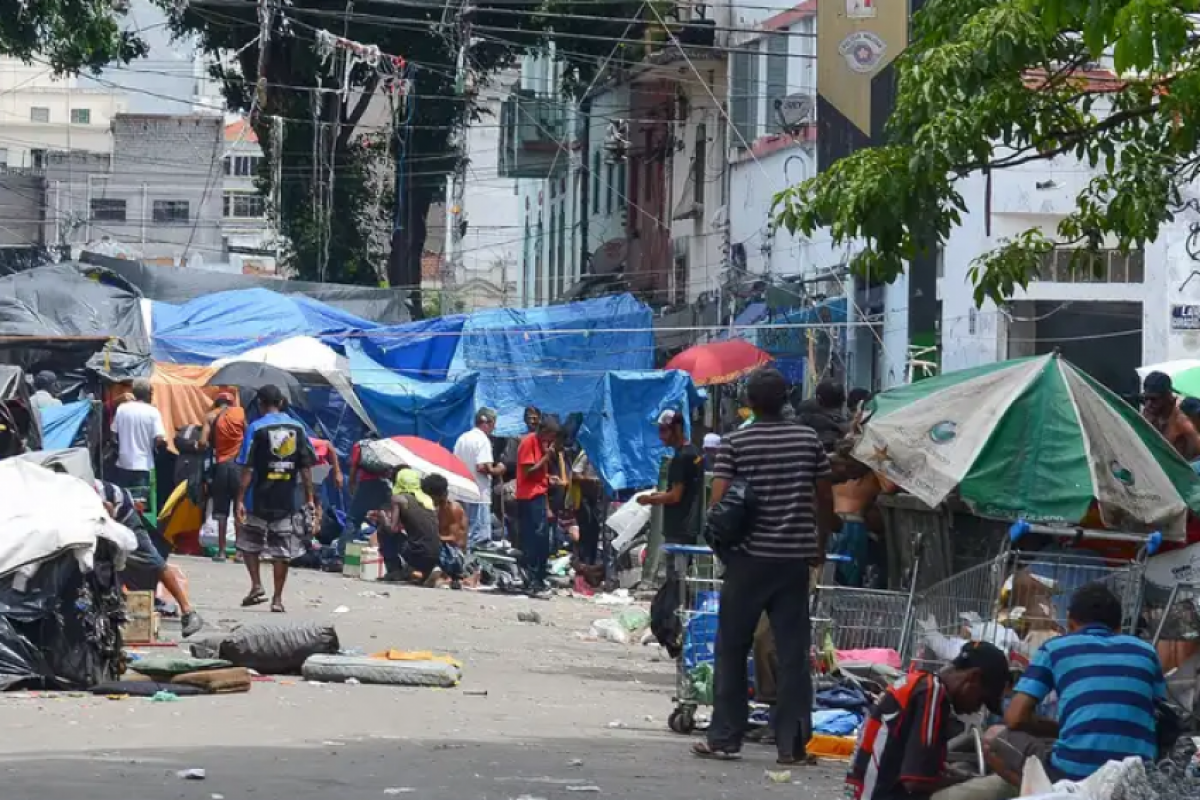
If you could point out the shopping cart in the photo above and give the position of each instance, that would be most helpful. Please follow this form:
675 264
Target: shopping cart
1019 599
854 618
696 569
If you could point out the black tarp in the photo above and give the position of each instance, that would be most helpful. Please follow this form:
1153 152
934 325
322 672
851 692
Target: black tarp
61 630
179 285
17 412
57 318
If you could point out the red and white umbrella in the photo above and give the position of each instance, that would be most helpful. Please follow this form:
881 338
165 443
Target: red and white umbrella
428 458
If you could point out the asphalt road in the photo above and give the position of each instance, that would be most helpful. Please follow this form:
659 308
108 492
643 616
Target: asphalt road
562 717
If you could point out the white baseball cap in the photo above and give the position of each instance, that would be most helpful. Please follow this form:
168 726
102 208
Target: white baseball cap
712 441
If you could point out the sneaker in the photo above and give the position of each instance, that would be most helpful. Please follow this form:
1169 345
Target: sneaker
220 558
191 624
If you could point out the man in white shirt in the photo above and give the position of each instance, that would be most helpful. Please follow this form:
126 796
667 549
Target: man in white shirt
44 382
139 430
474 448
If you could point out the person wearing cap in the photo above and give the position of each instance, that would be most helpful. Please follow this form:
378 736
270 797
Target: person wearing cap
682 500
224 430
43 396
1161 409
1108 684
276 455
901 753
474 448
712 443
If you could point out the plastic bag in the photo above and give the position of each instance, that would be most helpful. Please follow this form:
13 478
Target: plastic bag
610 630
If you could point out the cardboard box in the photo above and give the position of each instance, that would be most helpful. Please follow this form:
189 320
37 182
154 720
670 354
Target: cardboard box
141 626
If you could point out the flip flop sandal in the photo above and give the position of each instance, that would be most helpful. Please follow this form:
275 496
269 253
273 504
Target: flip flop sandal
705 750
277 608
254 598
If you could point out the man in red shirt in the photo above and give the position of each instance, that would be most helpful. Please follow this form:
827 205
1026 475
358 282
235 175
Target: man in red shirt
533 482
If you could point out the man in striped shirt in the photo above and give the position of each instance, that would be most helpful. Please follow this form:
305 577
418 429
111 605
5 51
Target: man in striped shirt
1107 685
787 469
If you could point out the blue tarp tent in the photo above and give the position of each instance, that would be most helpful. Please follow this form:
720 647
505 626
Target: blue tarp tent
228 323
422 349
553 357
401 406
620 433
61 424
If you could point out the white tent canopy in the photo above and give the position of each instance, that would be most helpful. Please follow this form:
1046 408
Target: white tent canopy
304 355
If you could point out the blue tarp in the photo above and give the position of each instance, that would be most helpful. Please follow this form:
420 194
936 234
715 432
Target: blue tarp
401 406
620 431
522 361
61 424
794 341
228 323
423 349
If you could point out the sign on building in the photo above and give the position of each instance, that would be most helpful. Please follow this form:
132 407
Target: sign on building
1185 317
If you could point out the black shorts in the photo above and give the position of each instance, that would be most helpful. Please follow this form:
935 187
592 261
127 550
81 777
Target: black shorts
223 489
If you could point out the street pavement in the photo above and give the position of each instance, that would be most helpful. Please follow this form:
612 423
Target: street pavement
541 714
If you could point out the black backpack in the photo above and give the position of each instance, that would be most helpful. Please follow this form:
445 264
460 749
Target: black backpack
729 521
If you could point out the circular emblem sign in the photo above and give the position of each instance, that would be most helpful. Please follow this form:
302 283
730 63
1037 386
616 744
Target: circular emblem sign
863 51
944 432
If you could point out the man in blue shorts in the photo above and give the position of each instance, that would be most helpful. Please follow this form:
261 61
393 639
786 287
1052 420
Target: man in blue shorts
1107 685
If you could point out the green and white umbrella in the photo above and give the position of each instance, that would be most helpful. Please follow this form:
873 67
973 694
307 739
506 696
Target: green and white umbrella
1034 438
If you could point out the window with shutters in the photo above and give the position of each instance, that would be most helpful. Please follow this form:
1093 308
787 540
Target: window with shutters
621 198
699 164
106 209
610 189
777 77
743 99
171 211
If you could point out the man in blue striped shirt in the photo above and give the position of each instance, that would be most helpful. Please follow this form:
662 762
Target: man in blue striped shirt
1107 684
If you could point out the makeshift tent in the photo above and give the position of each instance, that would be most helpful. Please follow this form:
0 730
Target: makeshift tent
620 432
181 394
61 424
55 318
553 357
229 323
172 285
435 410
16 411
75 461
423 349
311 362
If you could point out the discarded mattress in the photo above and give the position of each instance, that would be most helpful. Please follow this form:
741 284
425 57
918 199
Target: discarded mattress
339 669
230 680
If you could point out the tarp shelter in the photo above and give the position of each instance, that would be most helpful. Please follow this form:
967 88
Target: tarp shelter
178 286
61 424
402 406
424 349
55 318
553 357
230 323
17 411
620 431
311 362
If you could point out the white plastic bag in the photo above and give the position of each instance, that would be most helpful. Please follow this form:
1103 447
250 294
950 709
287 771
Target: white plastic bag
610 630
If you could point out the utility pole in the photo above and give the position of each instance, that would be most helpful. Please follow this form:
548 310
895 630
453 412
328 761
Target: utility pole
464 88
265 16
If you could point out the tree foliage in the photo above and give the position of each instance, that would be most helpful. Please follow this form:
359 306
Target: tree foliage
993 84
425 34
71 35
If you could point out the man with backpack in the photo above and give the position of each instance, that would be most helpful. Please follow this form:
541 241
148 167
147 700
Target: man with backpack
370 489
224 430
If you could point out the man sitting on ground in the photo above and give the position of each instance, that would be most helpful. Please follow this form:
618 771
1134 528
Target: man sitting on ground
452 528
901 753
120 506
1107 685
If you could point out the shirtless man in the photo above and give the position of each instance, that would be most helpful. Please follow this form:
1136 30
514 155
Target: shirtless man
1161 409
452 528
853 498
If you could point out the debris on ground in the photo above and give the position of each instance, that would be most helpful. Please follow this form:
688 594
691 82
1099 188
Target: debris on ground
529 616
342 610
780 776
393 790
584 788
194 774
621 597
616 723
163 696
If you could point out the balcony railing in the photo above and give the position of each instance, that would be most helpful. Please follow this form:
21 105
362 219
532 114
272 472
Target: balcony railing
536 132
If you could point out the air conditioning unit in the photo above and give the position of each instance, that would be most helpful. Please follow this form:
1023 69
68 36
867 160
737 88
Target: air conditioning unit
796 110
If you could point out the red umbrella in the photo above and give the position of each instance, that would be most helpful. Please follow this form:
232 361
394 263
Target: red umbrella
429 458
719 362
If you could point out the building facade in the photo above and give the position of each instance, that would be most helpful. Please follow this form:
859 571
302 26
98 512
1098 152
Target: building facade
159 193
250 239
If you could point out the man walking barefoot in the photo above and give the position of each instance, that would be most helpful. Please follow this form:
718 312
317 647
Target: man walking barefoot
275 455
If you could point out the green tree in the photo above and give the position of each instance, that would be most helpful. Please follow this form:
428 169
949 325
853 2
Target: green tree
71 35
414 30
992 84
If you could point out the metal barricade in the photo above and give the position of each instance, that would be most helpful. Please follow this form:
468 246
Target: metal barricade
697 569
1019 599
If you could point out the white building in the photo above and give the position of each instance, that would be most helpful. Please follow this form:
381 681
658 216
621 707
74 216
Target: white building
250 237
39 113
